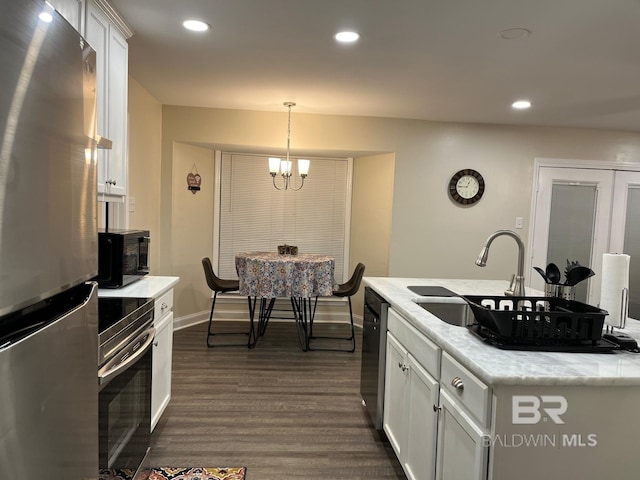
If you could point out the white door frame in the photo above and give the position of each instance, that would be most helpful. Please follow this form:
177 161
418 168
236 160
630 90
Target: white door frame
563 163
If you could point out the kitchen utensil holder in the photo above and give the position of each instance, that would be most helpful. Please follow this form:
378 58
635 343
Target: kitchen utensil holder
566 292
538 320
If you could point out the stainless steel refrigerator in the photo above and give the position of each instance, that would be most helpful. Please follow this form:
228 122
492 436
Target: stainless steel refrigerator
48 247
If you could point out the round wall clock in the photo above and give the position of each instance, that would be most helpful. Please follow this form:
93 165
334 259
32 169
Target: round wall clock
466 187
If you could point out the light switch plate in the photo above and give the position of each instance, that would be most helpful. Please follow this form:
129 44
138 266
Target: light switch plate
519 222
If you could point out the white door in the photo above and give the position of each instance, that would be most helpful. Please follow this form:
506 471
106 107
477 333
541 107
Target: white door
572 222
625 231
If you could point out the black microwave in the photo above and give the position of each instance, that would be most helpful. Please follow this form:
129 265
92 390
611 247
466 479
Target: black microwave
123 257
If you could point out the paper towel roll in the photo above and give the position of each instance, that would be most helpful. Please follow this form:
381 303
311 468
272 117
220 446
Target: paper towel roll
615 279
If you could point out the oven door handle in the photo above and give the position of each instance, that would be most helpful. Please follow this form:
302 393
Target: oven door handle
120 363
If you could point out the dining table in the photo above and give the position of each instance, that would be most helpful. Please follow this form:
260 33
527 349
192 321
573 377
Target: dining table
269 275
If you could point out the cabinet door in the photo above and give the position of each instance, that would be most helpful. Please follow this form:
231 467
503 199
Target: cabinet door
395 395
161 368
112 56
71 10
422 397
462 450
117 112
97 35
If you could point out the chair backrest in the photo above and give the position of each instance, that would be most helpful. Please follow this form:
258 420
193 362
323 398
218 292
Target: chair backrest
352 285
212 280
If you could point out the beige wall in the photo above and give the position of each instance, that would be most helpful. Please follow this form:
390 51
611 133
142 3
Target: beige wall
371 207
430 236
145 134
191 228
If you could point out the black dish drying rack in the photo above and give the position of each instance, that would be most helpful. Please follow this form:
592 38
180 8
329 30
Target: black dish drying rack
538 323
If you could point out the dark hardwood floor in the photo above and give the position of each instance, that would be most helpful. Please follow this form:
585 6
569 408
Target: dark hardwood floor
282 413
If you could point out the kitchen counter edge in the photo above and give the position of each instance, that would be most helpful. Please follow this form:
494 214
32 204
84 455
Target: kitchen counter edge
506 367
146 287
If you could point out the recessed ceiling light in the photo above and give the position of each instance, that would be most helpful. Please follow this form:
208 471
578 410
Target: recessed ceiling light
514 33
196 25
347 37
521 104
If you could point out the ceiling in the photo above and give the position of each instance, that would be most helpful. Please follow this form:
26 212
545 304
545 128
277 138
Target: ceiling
418 59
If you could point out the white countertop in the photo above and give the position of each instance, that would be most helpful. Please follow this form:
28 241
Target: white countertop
507 367
147 287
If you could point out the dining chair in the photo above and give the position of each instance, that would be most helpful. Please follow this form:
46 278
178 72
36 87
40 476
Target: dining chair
347 289
218 285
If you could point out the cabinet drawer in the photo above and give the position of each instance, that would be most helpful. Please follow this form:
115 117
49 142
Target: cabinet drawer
163 305
421 348
466 388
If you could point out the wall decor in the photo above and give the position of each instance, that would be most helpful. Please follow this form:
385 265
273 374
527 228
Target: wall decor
466 187
194 180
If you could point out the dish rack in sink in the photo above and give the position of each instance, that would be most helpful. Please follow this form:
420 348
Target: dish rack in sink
537 321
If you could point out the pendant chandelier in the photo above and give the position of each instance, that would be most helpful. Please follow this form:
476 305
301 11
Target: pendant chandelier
283 167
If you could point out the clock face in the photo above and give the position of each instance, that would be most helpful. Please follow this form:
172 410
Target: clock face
466 187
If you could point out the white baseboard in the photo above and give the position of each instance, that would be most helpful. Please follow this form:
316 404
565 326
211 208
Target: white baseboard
234 315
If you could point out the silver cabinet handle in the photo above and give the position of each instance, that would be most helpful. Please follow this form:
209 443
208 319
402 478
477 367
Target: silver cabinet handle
163 306
110 182
155 344
436 408
458 384
402 366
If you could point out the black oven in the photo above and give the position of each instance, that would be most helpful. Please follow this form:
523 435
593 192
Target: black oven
126 335
123 257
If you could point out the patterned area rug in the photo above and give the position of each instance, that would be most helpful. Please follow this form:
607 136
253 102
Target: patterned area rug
169 473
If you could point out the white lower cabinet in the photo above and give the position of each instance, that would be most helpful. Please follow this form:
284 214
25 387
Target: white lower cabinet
395 396
409 416
161 357
411 393
462 449
422 395
436 412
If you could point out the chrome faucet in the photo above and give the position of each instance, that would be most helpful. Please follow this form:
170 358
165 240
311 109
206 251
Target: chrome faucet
517 281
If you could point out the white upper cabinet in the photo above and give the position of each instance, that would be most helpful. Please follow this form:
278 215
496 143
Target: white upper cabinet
72 11
108 35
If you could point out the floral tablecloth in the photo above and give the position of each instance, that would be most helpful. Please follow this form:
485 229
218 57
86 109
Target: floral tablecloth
270 275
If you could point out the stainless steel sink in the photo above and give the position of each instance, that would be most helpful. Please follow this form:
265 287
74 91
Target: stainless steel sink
458 314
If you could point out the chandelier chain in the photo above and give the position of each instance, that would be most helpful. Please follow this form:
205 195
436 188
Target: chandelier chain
285 168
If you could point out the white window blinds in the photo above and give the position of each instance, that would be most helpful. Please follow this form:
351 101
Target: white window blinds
254 216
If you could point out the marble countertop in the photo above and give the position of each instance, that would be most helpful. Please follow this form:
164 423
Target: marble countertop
507 367
147 287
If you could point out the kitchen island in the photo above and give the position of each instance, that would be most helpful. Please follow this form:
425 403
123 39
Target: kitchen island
465 409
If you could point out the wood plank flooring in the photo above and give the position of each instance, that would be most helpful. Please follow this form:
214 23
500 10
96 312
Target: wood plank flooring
282 413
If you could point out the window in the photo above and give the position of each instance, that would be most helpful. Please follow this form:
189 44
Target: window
254 216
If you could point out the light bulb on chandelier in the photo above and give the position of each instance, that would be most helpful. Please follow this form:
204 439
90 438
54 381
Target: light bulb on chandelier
277 165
